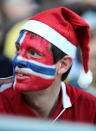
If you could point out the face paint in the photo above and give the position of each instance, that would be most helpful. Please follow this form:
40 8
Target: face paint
33 71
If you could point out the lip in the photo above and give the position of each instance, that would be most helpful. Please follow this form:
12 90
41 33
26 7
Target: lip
21 75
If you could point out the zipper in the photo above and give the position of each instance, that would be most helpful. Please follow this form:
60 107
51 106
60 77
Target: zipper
58 116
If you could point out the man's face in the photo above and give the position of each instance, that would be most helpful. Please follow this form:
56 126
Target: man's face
33 63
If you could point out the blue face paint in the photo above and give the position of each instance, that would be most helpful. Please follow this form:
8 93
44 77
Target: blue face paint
21 37
35 66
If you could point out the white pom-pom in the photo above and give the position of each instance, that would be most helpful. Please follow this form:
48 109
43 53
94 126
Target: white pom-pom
85 79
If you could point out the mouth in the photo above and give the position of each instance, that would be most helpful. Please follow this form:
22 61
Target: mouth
21 75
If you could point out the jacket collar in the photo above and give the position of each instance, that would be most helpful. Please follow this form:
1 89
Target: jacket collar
66 99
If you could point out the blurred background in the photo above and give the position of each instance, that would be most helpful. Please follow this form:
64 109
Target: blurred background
29 124
13 14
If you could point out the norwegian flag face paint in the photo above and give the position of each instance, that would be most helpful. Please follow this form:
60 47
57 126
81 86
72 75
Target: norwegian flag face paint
33 63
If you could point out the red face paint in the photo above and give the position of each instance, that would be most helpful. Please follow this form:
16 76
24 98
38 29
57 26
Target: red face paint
39 45
33 49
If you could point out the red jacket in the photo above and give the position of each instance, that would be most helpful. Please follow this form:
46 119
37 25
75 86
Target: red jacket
74 105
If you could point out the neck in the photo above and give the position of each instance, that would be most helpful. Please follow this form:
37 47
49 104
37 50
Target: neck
44 102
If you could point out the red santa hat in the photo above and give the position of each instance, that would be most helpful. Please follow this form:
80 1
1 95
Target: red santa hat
64 29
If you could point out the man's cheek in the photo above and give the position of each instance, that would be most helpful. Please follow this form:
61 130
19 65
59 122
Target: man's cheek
49 59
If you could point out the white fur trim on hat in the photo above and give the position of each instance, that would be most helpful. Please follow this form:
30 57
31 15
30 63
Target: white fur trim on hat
51 35
85 79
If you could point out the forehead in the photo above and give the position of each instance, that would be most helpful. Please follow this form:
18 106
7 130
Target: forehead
29 39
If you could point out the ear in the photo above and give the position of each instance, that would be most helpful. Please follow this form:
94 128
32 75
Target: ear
64 64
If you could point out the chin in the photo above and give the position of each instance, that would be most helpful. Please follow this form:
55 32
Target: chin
33 84
26 87
29 86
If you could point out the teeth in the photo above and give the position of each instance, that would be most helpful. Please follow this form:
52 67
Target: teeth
20 74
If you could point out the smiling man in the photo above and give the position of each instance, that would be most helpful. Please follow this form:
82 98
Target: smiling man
46 48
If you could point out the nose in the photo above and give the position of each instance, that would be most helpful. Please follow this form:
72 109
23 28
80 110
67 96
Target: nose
22 53
21 65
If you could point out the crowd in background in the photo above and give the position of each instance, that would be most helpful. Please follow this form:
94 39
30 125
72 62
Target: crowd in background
13 13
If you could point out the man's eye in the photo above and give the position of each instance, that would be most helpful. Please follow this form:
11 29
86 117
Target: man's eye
34 54
18 48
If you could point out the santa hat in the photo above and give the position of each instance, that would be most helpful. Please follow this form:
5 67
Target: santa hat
64 29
